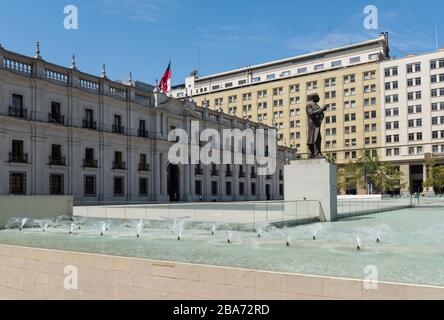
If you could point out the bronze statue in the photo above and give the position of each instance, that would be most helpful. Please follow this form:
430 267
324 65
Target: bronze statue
315 116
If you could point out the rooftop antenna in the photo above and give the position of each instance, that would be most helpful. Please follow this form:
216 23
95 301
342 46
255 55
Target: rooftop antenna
436 37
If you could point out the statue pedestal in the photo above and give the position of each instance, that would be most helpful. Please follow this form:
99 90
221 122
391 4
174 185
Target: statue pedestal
313 179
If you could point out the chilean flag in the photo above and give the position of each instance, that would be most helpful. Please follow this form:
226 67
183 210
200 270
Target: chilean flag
165 83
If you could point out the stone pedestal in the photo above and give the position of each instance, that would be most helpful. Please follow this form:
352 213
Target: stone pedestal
313 179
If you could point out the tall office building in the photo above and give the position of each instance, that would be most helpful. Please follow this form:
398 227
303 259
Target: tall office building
275 93
412 126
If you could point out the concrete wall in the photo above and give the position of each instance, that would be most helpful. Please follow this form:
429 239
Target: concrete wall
313 179
34 207
28 273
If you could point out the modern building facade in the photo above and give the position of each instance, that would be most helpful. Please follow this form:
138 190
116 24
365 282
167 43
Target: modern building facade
412 126
275 93
65 132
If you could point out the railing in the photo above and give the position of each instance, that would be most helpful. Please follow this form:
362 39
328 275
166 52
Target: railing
144 167
118 129
229 174
57 161
52 118
246 215
358 207
89 124
117 92
119 165
18 158
89 163
142 133
19 66
89 85
18 112
56 76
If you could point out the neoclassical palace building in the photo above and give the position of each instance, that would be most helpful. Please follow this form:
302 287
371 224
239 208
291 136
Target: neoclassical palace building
66 132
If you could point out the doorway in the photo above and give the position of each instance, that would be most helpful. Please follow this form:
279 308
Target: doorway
173 182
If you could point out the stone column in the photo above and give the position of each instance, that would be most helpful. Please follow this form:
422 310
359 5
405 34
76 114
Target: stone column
156 175
426 173
405 178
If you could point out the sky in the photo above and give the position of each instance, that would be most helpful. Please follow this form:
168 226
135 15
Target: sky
209 36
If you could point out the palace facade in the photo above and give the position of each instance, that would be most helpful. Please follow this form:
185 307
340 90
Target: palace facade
66 132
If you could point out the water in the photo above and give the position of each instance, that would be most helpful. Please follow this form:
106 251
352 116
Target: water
410 247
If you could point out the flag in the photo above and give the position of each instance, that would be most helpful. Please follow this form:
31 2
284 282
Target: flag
165 83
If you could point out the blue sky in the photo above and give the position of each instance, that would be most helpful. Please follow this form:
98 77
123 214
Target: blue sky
141 36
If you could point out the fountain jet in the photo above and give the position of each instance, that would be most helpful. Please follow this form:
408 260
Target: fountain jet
213 229
71 228
22 224
139 228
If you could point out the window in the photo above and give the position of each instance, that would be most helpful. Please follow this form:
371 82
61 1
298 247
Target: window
228 188
17 154
214 188
89 122
89 186
336 64
143 186
271 76
369 75
278 91
330 82
241 188
349 79
319 67
256 79
89 157
302 70
17 183
262 94
312 85
218 102
118 186
55 115
294 88
391 72
355 60
198 187
246 96
253 189
56 184
416 67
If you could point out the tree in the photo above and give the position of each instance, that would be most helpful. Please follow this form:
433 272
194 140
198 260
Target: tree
388 178
347 177
438 177
370 173
429 181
